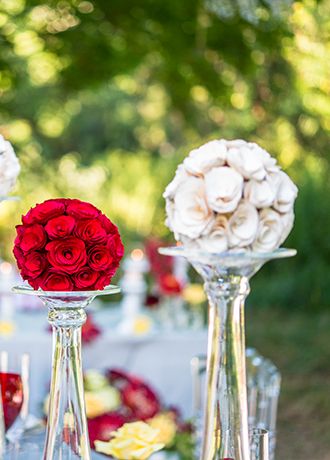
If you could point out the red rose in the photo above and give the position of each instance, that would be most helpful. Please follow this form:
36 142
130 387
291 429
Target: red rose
85 278
91 231
30 238
116 246
19 256
41 213
101 427
81 210
67 255
103 280
141 400
34 265
60 227
67 237
55 282
107 224
100 258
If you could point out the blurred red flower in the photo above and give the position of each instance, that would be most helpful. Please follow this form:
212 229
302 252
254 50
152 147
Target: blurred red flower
169 284
158 264
101 427
90 331
141 400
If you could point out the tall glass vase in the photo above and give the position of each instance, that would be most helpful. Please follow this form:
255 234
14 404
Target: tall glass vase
66 433
226 283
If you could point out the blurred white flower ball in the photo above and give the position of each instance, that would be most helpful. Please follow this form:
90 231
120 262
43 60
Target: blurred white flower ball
9 167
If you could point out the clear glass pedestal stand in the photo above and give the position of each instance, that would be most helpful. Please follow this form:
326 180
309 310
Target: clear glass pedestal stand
226 283
66 433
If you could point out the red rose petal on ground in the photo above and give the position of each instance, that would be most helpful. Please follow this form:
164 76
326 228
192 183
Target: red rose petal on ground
141 400
120 378
100 428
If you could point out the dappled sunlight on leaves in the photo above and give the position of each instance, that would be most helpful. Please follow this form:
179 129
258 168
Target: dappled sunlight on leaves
102 103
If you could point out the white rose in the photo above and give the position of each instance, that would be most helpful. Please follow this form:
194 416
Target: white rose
213 179
188 243
180 176
9 167
260 193
270 163
216 240
270 231
224 187
287 223
236 143
248 161
286 193
243 225
188 213
204 158
169 209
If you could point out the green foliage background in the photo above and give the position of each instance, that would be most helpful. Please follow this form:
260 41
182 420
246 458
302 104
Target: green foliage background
102 99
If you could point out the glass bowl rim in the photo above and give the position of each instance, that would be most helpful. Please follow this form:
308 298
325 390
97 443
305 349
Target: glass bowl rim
26 289
196 254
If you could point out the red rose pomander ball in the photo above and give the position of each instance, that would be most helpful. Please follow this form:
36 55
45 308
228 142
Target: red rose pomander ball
67 245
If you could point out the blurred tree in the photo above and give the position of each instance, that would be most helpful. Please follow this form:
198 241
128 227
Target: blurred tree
70 58
103 98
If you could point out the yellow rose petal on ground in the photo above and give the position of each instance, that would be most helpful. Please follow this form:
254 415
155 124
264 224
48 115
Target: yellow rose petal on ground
101 401
97 402
142 325
94 380
7 328
165 424
94 405
133 441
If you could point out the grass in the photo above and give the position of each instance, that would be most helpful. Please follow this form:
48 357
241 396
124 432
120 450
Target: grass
299 344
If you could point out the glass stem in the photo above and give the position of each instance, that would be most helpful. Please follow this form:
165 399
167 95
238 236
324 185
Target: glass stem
226 417
67 433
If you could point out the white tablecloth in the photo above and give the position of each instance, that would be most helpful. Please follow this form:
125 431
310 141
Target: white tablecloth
162 358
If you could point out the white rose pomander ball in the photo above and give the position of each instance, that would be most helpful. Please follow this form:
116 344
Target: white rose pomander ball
9 167
230 195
